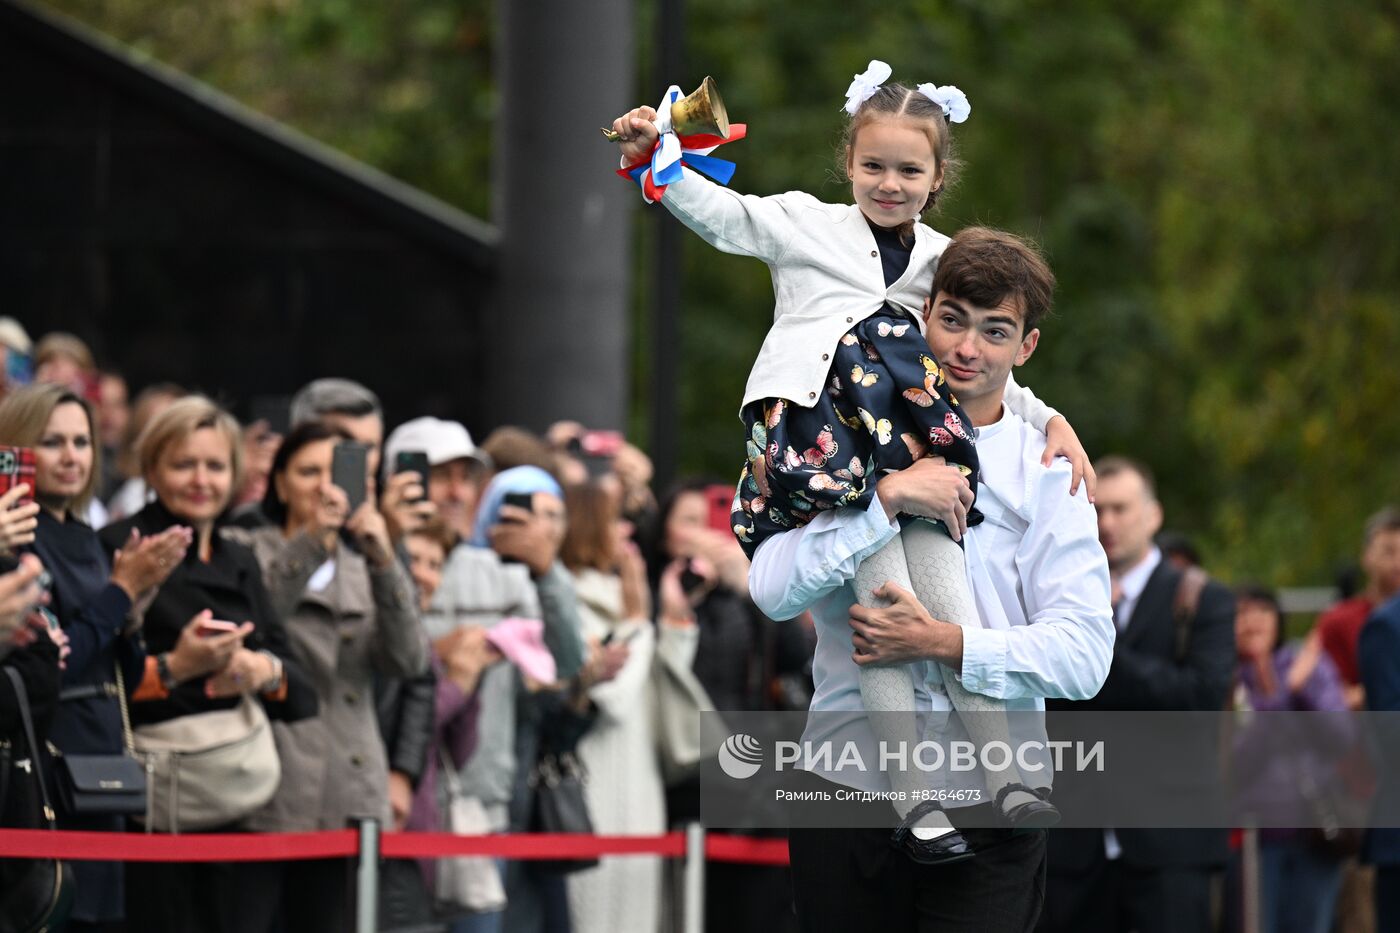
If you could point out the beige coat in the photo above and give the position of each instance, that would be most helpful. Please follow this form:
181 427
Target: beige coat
625 792
361 622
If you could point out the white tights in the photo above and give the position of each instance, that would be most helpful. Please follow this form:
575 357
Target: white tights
924 560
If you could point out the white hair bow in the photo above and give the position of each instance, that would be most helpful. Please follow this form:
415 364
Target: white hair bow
865 85
953 101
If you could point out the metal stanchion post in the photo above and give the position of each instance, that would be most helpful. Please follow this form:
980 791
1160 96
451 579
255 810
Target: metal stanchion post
693 919
367 880
1250 880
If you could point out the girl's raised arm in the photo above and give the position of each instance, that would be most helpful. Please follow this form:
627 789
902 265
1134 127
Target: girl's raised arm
745 225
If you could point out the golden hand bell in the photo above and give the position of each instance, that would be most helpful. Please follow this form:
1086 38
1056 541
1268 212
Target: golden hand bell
701 111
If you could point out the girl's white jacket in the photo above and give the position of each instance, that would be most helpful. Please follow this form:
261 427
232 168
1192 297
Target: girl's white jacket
827 276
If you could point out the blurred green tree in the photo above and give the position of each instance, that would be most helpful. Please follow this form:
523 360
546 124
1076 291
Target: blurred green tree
1213 184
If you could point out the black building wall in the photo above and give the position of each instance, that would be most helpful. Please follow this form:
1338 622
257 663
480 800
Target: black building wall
186 239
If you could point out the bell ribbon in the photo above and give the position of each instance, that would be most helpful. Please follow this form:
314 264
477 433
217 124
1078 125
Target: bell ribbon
663 165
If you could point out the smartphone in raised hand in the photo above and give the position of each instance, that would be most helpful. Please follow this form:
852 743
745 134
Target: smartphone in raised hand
414 461
350 471
597 449
720 499
17 466
690 581
521 500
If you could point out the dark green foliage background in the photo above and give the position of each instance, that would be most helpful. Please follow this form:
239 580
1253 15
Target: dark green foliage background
1215 185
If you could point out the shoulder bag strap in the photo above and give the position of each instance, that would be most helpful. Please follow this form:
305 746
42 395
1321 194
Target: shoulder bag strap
126 716
35 752
88 691
451 781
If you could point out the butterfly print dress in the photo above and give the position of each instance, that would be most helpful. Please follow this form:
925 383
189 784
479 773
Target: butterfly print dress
886 405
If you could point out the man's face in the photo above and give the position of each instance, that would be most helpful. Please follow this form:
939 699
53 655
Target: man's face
1381 561
113 410
452 487
977 348
1128 518
367 429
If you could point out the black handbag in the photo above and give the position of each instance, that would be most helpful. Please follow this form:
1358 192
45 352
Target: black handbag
559 805
101 784
90 785
36 894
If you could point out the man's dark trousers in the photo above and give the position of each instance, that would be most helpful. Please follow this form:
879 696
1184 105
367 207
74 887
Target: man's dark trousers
853 879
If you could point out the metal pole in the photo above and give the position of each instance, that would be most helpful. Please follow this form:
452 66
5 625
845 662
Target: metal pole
560 345
1250 879
693 920
367 881
666 321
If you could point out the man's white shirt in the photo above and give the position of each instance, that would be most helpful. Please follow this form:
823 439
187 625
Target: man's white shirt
1037 572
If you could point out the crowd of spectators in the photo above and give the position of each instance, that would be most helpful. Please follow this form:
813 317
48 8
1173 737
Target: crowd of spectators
460 628
451 623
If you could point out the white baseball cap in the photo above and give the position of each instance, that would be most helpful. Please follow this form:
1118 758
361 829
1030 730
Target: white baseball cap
442 441
14 336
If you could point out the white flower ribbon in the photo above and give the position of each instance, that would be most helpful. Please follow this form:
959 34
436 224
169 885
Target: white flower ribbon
866 84
953 101
668 153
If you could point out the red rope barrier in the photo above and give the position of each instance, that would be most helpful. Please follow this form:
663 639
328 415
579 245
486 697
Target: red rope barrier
163 847
746 850
344 843
529 845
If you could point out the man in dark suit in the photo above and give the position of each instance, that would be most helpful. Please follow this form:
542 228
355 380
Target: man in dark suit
1175 651
1379 655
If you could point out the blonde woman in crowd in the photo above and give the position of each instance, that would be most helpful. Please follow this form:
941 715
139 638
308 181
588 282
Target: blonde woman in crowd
213 637
90 596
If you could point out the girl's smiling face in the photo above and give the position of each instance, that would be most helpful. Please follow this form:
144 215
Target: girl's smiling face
892 169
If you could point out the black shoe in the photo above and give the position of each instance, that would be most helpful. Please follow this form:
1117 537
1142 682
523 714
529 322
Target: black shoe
942 850
1033 814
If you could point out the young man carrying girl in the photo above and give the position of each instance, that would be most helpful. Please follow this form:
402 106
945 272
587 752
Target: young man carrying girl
1040 588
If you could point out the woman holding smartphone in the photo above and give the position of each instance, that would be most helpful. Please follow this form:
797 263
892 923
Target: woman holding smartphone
90 596
350 615
190 457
